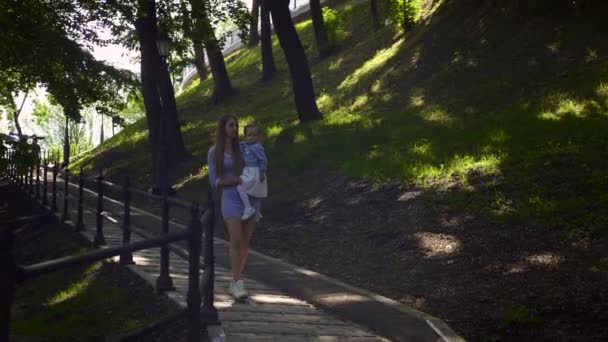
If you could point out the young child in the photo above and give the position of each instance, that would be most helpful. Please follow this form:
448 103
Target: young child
253 179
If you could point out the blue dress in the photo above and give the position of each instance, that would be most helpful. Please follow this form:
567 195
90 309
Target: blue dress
232 207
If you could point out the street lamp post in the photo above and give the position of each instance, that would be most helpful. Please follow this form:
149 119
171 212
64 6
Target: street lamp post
164 281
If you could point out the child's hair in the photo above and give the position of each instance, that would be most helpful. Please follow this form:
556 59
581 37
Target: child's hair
253 125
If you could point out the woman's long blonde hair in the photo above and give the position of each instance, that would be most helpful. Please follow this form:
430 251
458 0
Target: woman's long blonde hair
220 142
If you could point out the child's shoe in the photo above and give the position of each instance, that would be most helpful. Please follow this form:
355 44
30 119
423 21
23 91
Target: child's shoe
247 213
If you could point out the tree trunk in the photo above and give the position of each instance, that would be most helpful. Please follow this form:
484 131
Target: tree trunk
176 150
321 38
296 59
375 15
147 33
152 78
199 59
269 69
197 44
16 116
149 80
101 136
254 37
222 86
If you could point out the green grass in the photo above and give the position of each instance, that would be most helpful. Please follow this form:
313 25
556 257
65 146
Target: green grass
79 304
494 120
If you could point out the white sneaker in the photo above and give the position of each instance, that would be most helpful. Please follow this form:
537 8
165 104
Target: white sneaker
247 213
237 290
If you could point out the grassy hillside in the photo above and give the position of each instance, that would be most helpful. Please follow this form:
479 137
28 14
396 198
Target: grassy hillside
505 102
460 167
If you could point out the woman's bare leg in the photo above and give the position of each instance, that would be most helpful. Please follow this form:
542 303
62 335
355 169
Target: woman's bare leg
235 229
247 232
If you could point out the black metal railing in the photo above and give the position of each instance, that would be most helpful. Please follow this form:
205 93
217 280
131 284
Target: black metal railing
198 316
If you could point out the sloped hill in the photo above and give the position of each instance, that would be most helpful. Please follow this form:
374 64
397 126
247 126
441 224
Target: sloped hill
461 167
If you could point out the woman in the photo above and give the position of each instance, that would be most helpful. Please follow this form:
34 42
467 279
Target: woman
225 166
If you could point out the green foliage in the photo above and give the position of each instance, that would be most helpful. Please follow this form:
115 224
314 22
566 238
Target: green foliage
405 12
51 119
134 109
521 315
46 43
333 24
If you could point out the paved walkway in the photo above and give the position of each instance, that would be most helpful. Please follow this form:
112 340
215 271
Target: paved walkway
268 315
287 303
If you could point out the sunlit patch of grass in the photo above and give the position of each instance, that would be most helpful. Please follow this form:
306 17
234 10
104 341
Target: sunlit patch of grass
189 126
602 89
563 107
274 130
359 102
300 137
458 166
499 136
437 115
422 147
380 59
325 102
417 100
571 107
76 287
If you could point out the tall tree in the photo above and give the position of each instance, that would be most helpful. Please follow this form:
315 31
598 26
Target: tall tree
57 55
254 36
202 28
18 112
269 69
11 84
197 42
299 69
121 17
323 45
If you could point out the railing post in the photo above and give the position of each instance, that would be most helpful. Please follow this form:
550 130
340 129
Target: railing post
31 180
38 179
80 222
194 296
45 183
7 282
26 176
65 216
126 257
99 238
23 173
164 281
208 311
54 197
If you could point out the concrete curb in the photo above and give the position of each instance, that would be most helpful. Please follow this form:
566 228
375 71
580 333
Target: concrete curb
349 292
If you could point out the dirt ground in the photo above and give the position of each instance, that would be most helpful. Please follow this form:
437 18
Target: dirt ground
488 281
